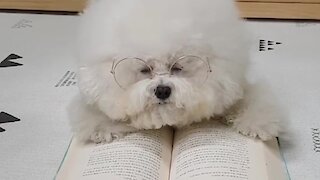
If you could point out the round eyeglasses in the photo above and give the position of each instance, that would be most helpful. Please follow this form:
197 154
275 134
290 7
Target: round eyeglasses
131 70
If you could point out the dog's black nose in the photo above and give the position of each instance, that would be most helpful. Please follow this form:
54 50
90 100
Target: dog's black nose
163 92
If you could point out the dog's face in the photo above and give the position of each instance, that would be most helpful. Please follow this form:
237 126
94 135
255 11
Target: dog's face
149 92
154 67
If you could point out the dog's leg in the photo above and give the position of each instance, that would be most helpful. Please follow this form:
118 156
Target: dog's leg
89 124
260 117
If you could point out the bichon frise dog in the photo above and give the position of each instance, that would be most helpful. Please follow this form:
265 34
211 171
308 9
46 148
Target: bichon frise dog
145 64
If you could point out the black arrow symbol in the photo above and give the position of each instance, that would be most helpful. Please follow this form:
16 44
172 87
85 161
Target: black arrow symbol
6 118
8 63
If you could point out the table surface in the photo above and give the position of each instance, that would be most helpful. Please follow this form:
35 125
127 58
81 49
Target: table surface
37 82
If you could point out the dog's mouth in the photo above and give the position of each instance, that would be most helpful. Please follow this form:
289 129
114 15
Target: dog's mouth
163 103
168 103
158 103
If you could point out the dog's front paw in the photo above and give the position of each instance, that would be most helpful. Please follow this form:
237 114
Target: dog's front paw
265 132
105 137
101 137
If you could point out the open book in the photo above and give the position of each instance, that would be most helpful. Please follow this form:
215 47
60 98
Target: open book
203 151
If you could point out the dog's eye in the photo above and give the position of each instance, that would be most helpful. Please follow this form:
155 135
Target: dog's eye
145 70
176 69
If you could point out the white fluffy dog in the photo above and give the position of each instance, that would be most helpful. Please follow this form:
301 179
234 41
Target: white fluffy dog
145 64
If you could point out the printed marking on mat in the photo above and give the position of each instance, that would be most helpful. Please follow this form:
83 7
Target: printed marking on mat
7 118
68 79
24 23
7 62
268 45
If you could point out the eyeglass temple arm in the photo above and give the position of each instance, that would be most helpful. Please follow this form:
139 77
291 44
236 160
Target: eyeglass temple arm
210 70
112 67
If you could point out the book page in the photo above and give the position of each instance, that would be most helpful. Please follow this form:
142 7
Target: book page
144 155
214 151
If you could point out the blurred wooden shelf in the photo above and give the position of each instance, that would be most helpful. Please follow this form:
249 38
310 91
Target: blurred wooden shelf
279 9
43 5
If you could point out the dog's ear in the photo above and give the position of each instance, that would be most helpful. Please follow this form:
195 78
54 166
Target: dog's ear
89 83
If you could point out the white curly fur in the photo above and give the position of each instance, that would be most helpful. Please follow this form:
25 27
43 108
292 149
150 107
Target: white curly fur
160 29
